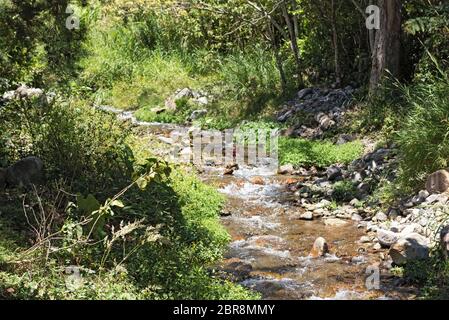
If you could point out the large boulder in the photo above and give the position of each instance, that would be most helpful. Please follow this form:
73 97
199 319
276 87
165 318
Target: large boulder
438 182
387 238
320 248
411 247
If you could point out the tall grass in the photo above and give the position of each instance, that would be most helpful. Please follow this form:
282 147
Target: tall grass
424 137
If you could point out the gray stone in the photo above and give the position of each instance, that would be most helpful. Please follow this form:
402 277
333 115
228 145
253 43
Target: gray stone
306 216
380 216
183 93
365 239
198 114
320 248
387 238
438 182
332 222
333 172
286 169
410 247
423 194
202 101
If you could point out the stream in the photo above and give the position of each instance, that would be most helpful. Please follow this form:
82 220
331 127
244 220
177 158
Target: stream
270 246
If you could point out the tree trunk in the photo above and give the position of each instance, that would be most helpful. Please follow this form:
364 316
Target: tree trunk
277 55
293 38
387 48
335 43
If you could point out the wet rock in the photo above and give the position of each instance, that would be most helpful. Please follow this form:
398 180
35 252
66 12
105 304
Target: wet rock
257 180
304 93
358 260
438 182
333 172
308 216
286 169
387 238
320 248
393 213
411 247
334 222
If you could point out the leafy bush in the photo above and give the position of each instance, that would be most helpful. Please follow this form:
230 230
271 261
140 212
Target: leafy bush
152 234
75 141
344 191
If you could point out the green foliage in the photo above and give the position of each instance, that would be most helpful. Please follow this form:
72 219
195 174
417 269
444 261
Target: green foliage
76 141
431 275
317 153
144 231
344 191
423 139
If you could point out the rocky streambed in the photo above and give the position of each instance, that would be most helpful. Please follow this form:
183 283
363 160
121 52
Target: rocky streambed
276 222
271 245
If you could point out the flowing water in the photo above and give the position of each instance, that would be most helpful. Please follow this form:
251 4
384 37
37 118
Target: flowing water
270 246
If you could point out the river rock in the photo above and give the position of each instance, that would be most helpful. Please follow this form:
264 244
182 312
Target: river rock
411 247
333 222
438 182
380 216
320 248
308 216
333 172
387 238
257 180
365 239
286 169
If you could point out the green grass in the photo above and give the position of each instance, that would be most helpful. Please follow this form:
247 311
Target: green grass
302 152
423 139
174 262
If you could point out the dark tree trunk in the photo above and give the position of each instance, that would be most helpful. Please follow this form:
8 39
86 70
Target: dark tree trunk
293 37
272 36
387 47
335 44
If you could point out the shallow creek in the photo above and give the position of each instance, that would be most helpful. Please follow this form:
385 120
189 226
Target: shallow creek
270 246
